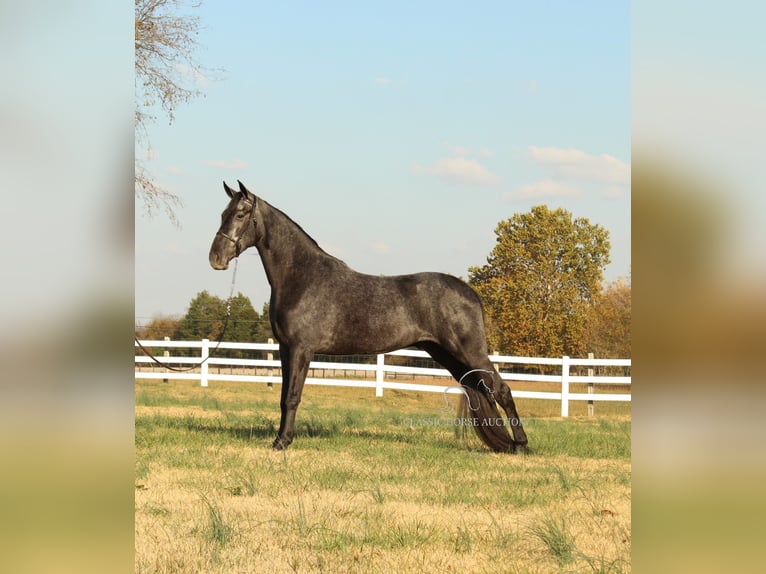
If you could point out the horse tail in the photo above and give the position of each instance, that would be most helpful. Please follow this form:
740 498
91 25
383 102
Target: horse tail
486 420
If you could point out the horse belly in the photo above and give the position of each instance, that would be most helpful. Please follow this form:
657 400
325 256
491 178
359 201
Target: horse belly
367 329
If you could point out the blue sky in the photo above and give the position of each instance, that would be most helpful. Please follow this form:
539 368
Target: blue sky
397 134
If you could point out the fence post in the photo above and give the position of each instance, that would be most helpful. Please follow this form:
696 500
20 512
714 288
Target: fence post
166 354
590 387
204 354
565 386
379 374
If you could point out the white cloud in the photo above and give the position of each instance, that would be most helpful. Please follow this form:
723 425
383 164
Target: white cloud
383 81
545 189
226 164
459 169
568 172
578 165
484 151
380 247
468 151
460 150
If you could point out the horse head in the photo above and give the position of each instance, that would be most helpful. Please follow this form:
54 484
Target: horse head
237 231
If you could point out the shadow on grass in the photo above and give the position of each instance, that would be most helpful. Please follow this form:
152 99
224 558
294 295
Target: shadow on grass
335 434
240 432
580 439
261 429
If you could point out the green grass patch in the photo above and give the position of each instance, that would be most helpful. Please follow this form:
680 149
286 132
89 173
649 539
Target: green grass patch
368 486
554 533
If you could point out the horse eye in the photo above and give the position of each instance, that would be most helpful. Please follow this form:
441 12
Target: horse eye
240 216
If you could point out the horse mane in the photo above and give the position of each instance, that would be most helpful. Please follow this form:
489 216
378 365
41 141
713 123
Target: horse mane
298 227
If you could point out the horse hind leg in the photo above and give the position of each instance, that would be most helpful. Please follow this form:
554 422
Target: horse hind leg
481 409
484 380
479 398
504 396
489 380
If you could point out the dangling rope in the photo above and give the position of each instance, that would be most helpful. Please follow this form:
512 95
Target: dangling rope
218 343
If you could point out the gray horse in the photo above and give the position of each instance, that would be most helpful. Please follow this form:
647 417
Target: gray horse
320 305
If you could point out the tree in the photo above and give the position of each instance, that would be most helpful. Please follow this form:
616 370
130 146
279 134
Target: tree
243 320
166 70
204 318
159 328
207 317
539 281
609 322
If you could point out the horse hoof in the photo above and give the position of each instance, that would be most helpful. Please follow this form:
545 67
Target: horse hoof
278 445
520 449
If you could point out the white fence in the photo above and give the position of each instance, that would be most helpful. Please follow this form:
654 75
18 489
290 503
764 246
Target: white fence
380 369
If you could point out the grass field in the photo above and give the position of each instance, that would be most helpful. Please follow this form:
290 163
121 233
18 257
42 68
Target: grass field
372 484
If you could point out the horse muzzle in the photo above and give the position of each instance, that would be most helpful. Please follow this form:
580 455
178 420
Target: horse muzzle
222 252
218 265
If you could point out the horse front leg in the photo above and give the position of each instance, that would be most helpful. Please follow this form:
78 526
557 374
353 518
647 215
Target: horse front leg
295 366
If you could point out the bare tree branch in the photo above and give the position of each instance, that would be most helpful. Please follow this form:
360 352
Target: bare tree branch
167 75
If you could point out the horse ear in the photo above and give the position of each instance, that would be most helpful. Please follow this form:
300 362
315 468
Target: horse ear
229 191
242 188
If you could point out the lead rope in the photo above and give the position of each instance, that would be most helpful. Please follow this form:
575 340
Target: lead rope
218 343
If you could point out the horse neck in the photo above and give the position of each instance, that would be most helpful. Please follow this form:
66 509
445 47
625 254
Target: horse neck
286 250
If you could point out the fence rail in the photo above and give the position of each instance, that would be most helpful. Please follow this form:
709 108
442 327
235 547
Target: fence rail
380 369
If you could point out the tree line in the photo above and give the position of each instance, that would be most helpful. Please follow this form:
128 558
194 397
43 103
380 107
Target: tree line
542 288
207 318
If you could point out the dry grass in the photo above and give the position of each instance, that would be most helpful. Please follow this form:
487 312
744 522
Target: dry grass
361 492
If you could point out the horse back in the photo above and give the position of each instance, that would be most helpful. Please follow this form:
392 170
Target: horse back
353 312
